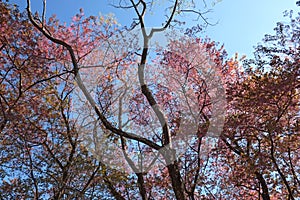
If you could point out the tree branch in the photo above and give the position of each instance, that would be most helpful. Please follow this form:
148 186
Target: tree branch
79 81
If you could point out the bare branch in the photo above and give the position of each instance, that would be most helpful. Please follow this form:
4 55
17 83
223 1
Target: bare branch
125 7
200 15
44 13
167 23
141 16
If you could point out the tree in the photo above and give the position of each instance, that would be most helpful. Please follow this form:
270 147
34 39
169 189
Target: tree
144 124
42 156
163 147
261 132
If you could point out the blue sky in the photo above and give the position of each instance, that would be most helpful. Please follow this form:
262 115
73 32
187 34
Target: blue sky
241 23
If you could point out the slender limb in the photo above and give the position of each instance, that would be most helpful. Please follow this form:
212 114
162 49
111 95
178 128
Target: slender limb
44 13
200 15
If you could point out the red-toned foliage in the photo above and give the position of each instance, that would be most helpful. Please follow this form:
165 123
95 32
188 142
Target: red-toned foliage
78 100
